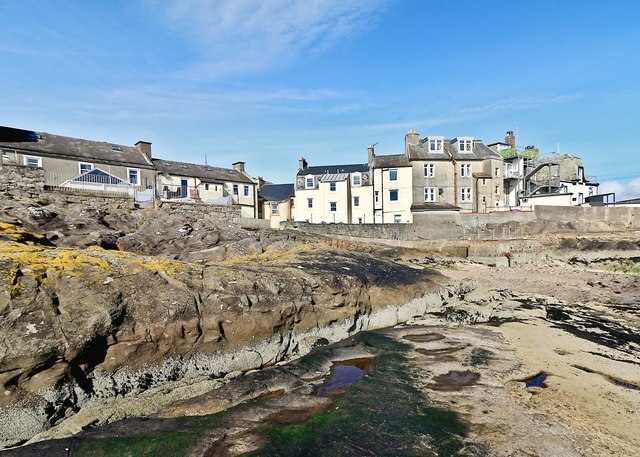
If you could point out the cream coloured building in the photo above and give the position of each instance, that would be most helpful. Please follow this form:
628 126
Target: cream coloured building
277 203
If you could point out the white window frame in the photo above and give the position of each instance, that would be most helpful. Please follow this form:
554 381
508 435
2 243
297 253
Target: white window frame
358 177
306 182
333 186
393 172
376 196
91 168
430 194
397 194
309 202
465 170
465 194
275 209
246 191
429 170
137 171
497 172
497 190
465 145
356 200
333 207
397 218
235 189
36 158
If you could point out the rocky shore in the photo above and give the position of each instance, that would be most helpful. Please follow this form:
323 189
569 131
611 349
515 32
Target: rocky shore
93 335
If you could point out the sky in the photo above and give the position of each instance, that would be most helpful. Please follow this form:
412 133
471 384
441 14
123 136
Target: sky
269 81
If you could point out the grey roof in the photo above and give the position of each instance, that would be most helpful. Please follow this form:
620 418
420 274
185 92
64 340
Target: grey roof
391 161
48 145
480 151
276 192
334 169
205 173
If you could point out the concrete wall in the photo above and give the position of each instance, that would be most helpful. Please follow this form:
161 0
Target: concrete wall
623 217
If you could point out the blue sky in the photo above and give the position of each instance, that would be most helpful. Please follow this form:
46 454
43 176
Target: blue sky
268 81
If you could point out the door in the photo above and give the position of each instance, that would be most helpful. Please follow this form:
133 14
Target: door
183 188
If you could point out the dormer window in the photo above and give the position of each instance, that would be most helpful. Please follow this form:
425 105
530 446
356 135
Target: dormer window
465 145
310 182
356 179
435 143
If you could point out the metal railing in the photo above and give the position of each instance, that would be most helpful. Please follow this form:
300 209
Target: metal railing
96 183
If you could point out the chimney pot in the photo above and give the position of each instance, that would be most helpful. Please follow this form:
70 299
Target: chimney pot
371 152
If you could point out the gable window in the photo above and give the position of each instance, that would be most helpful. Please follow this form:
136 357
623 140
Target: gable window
332 186
393 175
85 167
309 182
465 170
133 175
393 195
435 145
429 194
235 189
356 180
429 170
465 194
309 202
246 191
397 218
356 201
34 162
333 206
275 211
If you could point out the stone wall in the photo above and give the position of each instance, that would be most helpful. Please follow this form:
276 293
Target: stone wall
229 214
621 217
17 181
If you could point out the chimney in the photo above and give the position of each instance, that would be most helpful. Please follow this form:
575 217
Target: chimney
260 180
412 137
302 163
371 153
238 166
510 139
144 147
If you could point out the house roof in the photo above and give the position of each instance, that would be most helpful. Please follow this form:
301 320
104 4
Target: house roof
276 192
480 151
49 145
334 169
391 161
204 173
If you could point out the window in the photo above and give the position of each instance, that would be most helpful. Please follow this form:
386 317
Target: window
309 202
360 220
332 186
356 180
465 170
376 196
497 190
275 211
246 191
206 187
397 218
465 194
309 182
235 189
496 172
429 194
133 175
483 182
393 195
356 201
465 145
35 162
333 206
429 170
435 145
393 175
85 167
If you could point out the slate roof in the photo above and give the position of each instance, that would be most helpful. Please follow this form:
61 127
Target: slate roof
480 151
276 192
205 173
334 169
48 145
391 161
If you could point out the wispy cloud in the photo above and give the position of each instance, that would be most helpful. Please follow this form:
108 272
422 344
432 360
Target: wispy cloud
246 36
623 191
